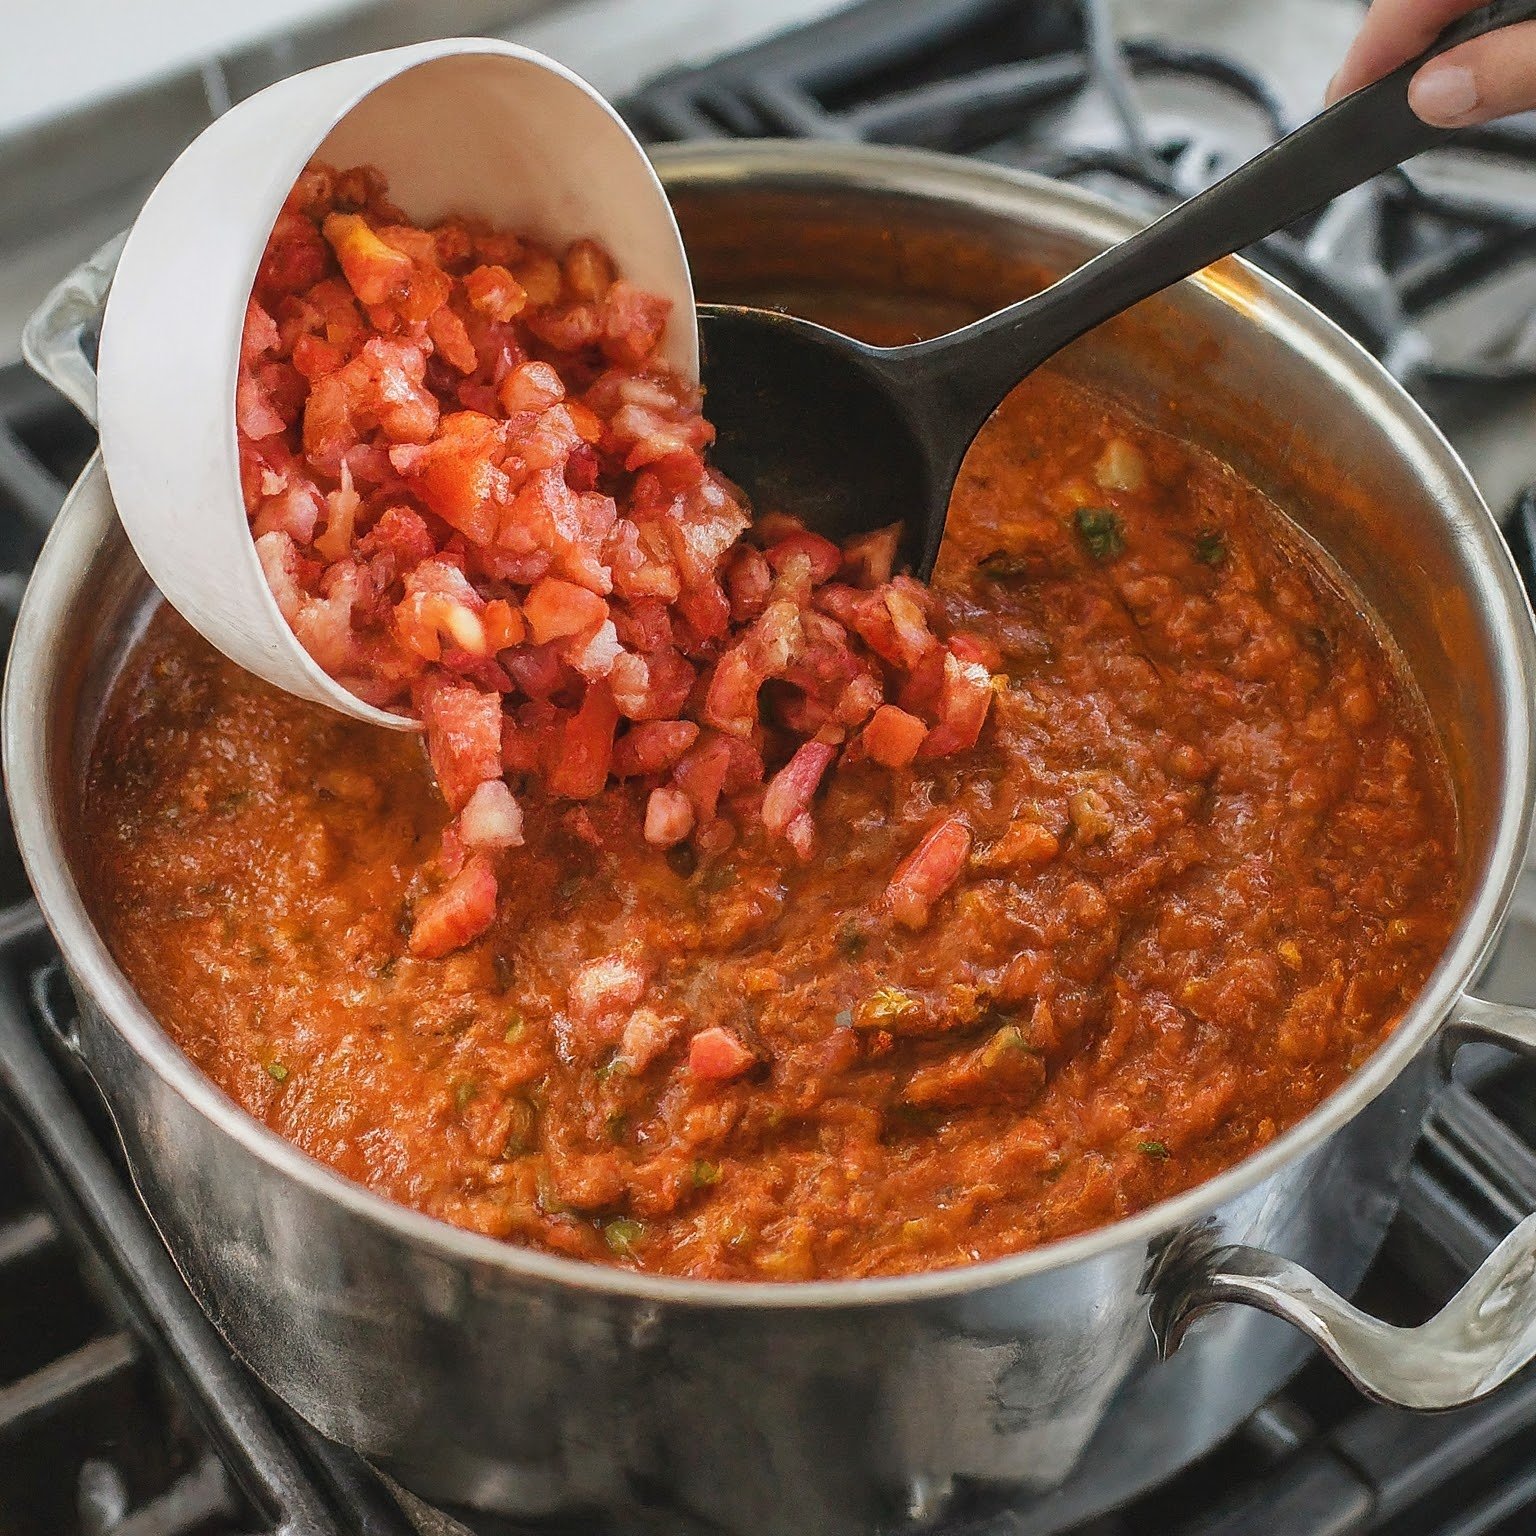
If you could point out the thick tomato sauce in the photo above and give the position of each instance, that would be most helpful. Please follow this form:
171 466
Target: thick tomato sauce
1207 853
479 495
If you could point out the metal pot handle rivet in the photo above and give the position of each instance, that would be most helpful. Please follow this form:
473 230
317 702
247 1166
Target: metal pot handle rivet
1481 1338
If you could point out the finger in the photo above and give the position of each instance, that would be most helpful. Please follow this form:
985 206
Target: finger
1489 77
1393 32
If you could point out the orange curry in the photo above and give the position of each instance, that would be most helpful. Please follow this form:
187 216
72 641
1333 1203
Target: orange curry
1204 854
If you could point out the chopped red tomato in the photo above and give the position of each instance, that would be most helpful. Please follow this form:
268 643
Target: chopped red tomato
928 871
653 746
555 609
464 739
822 555
495 293
701 774
491 819
462 910
892 736
716 1055
378 273
646 1035
456 474
585 753
964 697
789 791
668 817
477 492
601 987
440 604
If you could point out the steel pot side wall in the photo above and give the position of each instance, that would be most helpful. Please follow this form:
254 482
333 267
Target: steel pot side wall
540 1398
528 1384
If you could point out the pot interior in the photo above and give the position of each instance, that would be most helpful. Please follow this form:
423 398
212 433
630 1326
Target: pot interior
899 245
1235 364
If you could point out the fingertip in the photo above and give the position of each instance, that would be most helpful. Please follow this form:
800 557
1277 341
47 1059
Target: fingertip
1445 95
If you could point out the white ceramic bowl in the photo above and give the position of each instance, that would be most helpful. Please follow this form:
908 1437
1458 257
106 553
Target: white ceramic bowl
461 125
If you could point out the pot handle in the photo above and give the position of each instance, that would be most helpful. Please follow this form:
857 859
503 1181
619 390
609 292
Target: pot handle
59 338
1474 1344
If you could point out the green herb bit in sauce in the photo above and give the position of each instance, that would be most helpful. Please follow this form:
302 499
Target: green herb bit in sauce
1155 1149
617 1125
622 1234
1100 530
615 1066
885 1004
516 1027
717 876
705 1173
277 1072
1210 547
1006 1042
463 1092
548 1199
520 1129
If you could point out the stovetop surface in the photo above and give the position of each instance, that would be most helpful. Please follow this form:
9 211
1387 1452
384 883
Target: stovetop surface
121 1413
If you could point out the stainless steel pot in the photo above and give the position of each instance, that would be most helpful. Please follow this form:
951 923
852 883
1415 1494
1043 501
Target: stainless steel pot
487 1375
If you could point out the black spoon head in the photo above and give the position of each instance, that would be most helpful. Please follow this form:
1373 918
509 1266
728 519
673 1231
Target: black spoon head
808 423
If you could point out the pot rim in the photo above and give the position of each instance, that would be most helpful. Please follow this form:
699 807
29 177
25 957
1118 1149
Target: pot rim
907 173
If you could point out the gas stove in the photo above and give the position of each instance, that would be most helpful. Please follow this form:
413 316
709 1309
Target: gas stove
122 1414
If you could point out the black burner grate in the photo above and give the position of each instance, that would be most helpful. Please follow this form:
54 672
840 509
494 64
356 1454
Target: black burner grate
1432 267
120 1412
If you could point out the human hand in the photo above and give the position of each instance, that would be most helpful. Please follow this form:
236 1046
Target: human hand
1488 77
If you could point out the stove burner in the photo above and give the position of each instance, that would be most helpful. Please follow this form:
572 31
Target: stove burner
121 1414
1433 267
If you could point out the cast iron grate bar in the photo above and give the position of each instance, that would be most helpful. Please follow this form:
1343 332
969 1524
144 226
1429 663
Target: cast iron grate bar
54 1386
30 492
43 444
195 1498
